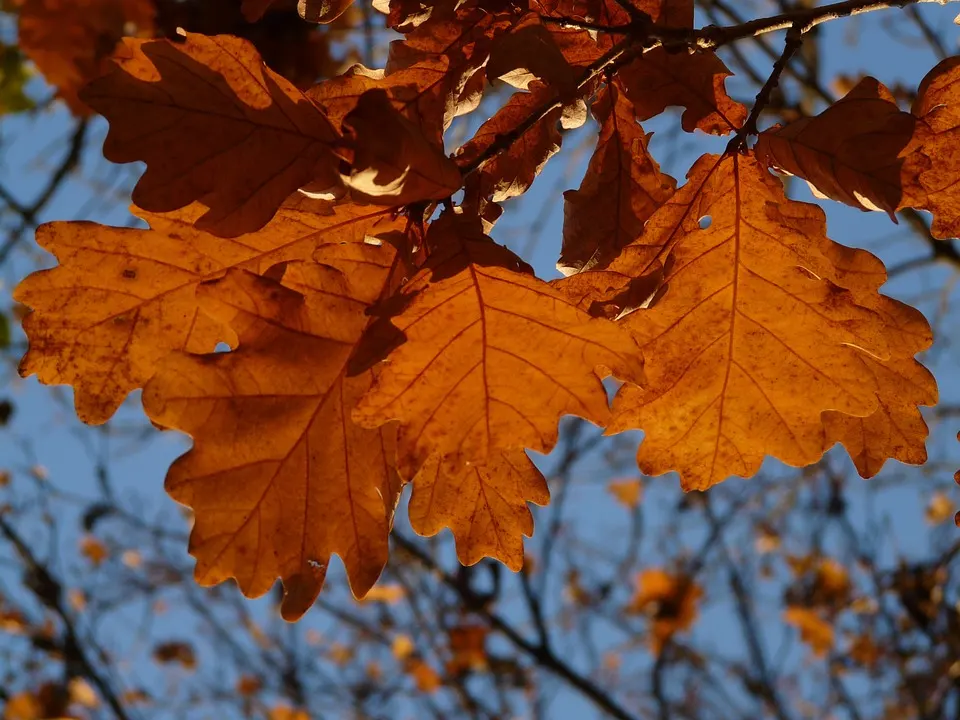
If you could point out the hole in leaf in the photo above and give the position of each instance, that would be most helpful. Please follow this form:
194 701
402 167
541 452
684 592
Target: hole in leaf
705 222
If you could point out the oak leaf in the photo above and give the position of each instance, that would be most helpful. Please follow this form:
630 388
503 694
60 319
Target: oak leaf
852 152
815 632
896 429
279 503
621 188
694 81
511 172
478 372
484 504
756 334
215 125
121 299
933 169
70 40
393 163
670 599
528 53
420 93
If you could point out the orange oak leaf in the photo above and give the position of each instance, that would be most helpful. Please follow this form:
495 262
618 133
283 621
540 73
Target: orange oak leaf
695 81
671 601
464 41
393 163
70 40
479 371
529 53
852 152
278 503
215 125
122 298
896 429
511 172
621 189
757 333
484 504
420 93
933 169
815 632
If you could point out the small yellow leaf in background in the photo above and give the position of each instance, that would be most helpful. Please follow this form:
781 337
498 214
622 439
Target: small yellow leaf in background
402 647
425 676
22 706
864 651
82 693
77 599
12 621
627 492
390 594
767 541
669 599
285 712
93 550
132 559
468 645
815 632
341 654
4 478
940 509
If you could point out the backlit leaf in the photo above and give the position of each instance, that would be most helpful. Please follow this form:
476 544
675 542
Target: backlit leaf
485 504
215 125
122 298
851 152
756 334
279 503
478 371
621 189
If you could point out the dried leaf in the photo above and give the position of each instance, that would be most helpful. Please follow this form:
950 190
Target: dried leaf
70 40
671 602
852 152
816 632
621 189
511 173
757 333
484 504
121 299
215 125
694 81
393 163
315 484
481 375
933 170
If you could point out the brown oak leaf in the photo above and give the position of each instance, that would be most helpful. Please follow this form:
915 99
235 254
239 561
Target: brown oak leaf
621 189
393 163
695 81
215 125
484 504
279 503
122 298
512 171
852 152
478 371
756 334
932 172
70 40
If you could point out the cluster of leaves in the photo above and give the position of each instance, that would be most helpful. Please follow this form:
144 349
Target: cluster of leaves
379 336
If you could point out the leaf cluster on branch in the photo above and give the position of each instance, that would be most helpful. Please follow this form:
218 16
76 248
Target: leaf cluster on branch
378 335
